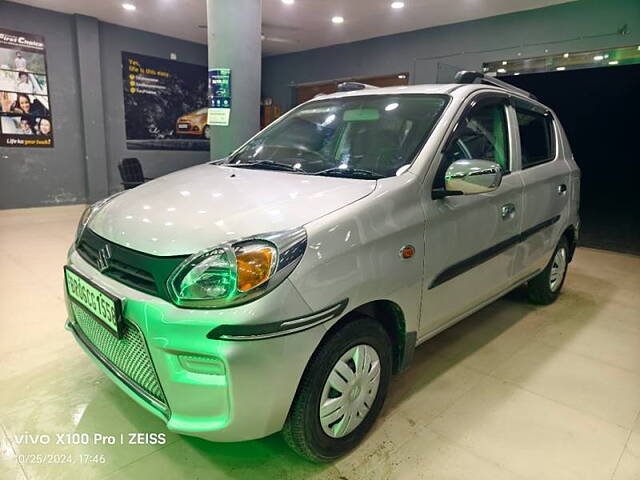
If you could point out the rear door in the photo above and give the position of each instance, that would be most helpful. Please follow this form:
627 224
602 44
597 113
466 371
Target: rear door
546 178
471 239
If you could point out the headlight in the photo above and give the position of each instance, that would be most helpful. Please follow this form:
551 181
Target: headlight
90 211
84 219
237 272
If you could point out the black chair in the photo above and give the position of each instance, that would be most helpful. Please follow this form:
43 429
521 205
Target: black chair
131 173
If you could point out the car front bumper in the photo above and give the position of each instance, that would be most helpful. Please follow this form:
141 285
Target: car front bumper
217 389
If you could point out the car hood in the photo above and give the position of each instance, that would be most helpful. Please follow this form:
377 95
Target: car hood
204 206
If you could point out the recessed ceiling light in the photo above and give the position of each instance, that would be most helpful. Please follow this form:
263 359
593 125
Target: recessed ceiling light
566 55
613 62
288 2
402 76
598 58
502 70
397 5
561 69
504 62
129 6
337 20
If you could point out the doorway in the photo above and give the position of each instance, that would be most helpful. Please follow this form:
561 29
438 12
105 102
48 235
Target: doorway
599 109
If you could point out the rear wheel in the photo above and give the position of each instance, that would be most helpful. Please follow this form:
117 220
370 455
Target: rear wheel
544 288
341 392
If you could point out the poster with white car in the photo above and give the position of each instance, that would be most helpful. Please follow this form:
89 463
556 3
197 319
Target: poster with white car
25 110
165 103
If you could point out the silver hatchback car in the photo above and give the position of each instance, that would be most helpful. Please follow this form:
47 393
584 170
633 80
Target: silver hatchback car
281 287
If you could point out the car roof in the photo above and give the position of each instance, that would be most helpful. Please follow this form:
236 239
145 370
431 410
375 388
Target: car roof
403 89
454 89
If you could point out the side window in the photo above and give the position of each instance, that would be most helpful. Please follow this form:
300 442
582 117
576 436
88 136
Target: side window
537 142
482 135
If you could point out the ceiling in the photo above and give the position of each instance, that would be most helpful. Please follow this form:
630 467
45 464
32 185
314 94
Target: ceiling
303 25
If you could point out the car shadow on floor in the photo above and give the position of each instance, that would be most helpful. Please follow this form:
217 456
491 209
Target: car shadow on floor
486 339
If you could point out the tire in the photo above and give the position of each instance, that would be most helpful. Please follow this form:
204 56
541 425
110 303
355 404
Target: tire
544 288
303 430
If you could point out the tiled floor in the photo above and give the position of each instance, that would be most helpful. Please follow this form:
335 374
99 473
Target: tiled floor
513 392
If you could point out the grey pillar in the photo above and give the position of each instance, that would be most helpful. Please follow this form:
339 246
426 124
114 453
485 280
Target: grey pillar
234 38
95 145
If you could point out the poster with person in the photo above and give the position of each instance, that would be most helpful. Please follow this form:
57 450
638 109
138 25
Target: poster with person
165 104
25 110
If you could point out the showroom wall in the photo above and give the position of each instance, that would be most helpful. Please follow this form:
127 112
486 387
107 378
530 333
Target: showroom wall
85 80
48 176
116 39
575 26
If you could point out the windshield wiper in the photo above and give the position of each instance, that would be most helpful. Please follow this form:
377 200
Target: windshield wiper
266 165
349 172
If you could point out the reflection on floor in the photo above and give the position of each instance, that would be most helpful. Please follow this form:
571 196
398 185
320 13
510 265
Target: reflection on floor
513 392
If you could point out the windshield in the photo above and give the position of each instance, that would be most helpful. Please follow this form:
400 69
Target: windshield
372 136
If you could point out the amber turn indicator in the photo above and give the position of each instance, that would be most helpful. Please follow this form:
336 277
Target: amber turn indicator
254 268
407 251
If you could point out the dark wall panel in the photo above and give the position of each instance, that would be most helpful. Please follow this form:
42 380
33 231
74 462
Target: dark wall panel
39 177
48 176
116 39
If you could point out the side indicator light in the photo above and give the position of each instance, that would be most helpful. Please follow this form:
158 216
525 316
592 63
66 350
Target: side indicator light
407 251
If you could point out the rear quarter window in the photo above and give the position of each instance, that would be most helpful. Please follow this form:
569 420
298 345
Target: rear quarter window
537 139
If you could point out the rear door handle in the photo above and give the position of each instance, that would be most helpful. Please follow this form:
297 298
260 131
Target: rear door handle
562 189
508 211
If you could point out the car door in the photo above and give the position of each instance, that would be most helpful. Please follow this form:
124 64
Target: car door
547 182
471 239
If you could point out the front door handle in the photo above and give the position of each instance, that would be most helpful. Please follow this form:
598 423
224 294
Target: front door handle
508 211
562 189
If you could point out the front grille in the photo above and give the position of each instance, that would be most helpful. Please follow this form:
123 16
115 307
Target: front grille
129 275
128 357
138 270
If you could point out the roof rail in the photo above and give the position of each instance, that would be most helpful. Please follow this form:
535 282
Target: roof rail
469 76
351 86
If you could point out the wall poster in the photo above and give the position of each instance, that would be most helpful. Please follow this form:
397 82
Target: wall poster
219 96
25 112
165 104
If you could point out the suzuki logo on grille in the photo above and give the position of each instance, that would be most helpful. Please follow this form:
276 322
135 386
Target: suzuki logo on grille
104 254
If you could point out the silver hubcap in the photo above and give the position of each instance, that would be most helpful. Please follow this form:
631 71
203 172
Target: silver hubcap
558 269
349 391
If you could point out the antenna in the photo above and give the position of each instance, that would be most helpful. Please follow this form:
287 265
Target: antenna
469 76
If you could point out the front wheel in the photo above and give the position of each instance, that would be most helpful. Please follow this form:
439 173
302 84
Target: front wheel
544 288
341 392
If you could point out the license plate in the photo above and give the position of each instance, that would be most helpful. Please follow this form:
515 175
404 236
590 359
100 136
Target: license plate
183 126
98 303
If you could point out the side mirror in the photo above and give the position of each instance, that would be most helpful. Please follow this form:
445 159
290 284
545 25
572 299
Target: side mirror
470 177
